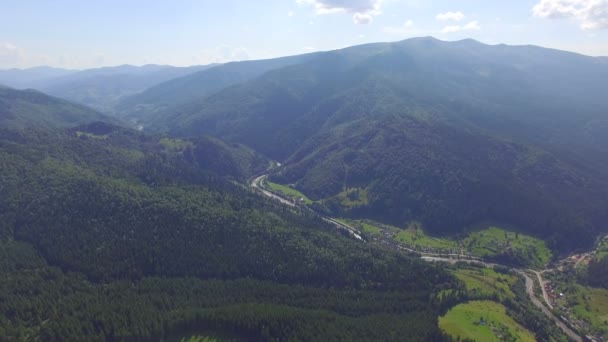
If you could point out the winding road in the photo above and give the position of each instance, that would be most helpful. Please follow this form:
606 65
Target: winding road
257 184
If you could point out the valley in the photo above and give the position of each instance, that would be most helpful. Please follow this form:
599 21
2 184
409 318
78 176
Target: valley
427 190
462 320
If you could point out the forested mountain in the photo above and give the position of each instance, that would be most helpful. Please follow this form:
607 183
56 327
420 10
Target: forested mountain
181 90
100 88
103 88
447 133
31 108
107 233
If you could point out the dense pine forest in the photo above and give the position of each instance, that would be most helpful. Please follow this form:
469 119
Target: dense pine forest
108 233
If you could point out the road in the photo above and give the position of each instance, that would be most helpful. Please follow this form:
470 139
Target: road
530 289
542 287
256 185
449 258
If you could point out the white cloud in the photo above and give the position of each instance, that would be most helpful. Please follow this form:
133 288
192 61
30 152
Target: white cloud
592 14
363 11
455 16
363 19
290 14
11 55
471 26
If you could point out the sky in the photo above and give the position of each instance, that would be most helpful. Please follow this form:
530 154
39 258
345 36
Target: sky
78 34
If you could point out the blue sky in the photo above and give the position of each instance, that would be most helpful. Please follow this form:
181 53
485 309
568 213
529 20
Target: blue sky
84 34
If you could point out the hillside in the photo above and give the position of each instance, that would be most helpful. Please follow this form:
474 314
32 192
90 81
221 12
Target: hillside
111 234
176 92
30 108
29 78
447 133
103 88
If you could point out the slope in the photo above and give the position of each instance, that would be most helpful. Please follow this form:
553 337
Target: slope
448 133
114 234
30 108
102 88
175 92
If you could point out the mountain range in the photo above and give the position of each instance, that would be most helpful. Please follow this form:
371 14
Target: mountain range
99 88
447 133
126 211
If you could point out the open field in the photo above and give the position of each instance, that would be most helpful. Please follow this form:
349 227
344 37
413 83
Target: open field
486 281
287 191
416 237
362 225
494 241
482 321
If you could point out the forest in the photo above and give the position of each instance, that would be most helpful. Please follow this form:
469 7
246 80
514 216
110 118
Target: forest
111 234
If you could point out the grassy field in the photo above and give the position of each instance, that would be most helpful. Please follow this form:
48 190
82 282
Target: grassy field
495 241
415 236
486 281
482 321
366 226
287 191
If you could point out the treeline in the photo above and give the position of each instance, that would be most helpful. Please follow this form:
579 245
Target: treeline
42 302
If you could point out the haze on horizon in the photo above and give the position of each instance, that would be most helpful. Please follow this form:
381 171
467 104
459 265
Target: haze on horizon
74 34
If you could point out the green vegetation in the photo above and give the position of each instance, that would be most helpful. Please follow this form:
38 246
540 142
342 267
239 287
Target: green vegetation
602 249
90 135
486 282
29 108
96 244
483 321
501 244
175 144
370 229
415 236
421 133
201 339
353 197
366 226
288 191
587 304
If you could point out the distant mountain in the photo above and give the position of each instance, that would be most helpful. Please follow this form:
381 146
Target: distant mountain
102 88
32 77
198 85
447 133
31 108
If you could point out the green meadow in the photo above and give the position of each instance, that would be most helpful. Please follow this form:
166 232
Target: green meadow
287 191
483 321
486 282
